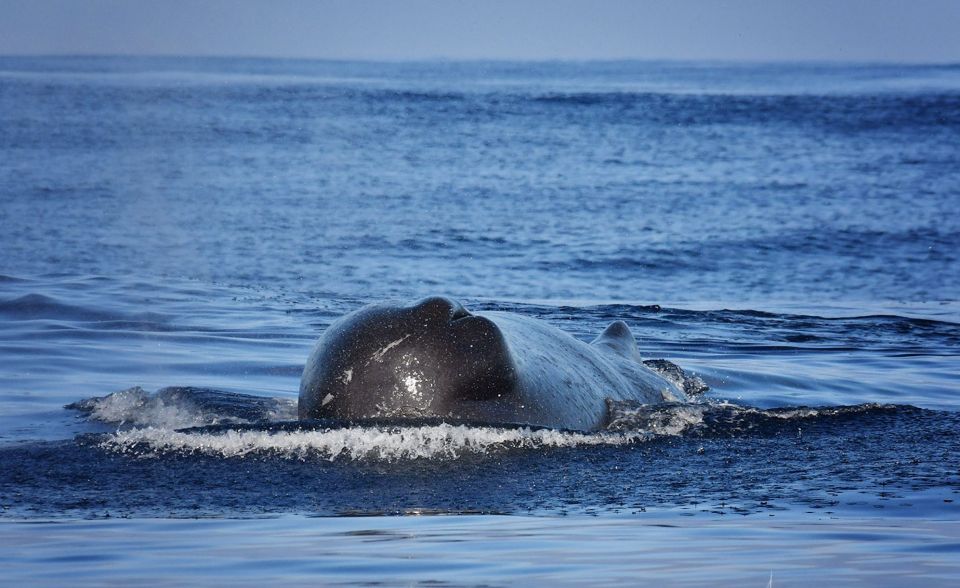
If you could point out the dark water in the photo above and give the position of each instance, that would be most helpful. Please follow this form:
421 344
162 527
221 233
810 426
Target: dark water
788 233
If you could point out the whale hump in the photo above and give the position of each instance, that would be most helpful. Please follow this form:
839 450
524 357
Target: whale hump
618 338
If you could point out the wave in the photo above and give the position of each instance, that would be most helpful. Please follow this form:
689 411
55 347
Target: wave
196 421
847 112
725 419
443 441
35 306
179 407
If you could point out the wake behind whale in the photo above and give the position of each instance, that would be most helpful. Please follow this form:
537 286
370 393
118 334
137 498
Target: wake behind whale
197 421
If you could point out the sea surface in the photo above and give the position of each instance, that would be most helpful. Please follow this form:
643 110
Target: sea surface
175 233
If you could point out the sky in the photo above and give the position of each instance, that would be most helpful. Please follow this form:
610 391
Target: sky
755 30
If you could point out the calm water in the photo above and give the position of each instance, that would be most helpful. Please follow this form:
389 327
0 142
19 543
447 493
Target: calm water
788 232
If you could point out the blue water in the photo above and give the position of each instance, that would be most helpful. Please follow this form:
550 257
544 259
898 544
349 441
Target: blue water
786 232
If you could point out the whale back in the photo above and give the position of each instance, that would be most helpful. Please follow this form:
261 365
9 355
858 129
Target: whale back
431 358
565 382
435 359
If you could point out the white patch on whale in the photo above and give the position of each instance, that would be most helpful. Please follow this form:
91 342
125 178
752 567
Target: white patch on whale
378 355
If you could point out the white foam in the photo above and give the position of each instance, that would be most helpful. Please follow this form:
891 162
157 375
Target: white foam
284 409
659 420
677 421
135 406
175 410
386 443
149 426
800 412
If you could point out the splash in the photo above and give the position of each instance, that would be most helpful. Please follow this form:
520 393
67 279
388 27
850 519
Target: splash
443 441
691 384
721 418
182 407
198 421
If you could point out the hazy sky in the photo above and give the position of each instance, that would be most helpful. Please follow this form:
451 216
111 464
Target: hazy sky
853 30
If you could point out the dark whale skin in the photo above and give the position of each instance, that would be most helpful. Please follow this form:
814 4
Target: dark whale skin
434 359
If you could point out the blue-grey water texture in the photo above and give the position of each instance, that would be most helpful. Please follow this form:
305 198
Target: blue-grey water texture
789 233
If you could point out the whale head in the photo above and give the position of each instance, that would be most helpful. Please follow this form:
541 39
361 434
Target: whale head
429 359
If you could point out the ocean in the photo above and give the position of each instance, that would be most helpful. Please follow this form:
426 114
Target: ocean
787 232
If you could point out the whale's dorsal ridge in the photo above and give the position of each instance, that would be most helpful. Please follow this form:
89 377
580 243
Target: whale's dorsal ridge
618 330
618 338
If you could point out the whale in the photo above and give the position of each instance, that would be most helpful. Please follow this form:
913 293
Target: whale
434 359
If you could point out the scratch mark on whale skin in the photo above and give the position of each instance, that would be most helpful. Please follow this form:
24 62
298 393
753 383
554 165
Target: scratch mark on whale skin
378 355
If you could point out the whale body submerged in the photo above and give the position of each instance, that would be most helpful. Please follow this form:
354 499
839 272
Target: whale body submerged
433 359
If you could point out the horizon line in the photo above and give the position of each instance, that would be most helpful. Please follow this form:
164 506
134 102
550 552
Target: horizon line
530 60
